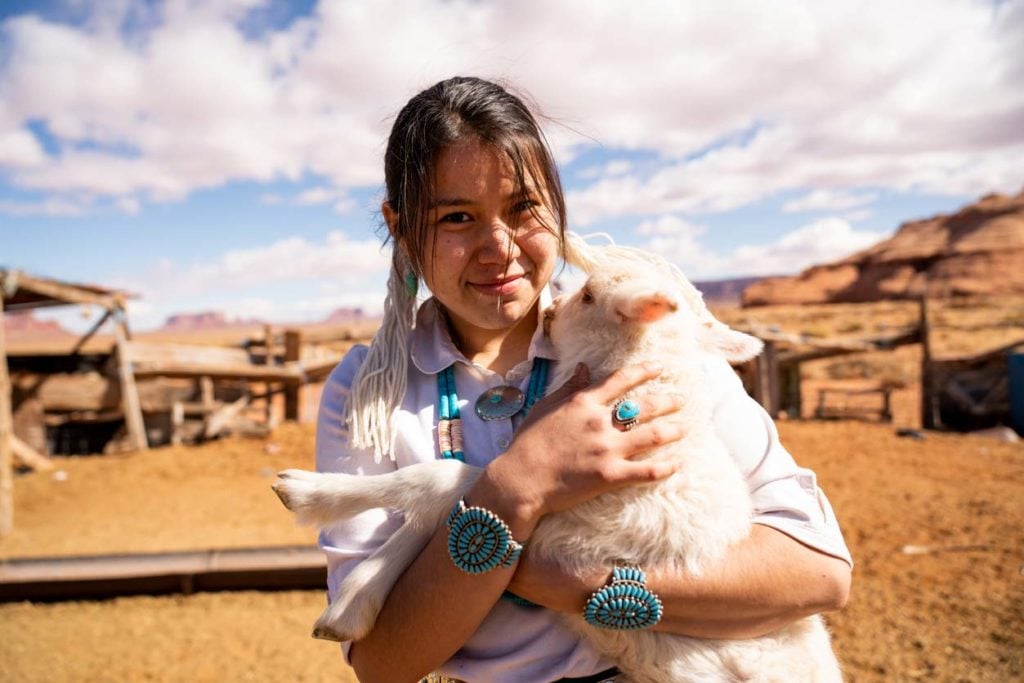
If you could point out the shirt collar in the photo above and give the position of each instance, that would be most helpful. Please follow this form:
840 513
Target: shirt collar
432 349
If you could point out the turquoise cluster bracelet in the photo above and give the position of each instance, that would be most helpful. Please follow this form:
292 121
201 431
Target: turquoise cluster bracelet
626 603
479 541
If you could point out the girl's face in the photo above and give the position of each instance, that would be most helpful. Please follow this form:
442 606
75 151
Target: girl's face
495 245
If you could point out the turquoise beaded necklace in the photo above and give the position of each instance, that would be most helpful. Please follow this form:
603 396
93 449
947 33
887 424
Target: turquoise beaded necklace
498 403
494 404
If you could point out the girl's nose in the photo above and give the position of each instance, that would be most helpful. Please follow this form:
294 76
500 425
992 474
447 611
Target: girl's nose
499 243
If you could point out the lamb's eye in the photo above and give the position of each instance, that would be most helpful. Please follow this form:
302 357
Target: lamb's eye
587 297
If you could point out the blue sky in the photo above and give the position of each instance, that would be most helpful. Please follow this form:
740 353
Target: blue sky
225 154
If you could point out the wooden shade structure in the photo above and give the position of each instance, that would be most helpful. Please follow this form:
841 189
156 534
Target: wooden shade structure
21 291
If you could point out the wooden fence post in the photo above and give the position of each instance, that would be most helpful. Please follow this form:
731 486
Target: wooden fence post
766 379
930 418
6 438
292 396
129 392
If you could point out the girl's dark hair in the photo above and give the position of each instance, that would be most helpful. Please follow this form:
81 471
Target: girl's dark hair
450 111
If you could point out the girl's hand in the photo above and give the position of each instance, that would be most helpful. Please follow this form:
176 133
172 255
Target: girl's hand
568 450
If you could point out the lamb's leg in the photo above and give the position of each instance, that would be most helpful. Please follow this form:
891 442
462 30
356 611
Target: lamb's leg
323 498
424 493
361 595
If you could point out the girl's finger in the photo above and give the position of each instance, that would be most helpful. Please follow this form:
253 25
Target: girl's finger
640 471
657 405
646 437
624 379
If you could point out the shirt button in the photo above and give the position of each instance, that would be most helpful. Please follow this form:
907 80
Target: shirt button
503 442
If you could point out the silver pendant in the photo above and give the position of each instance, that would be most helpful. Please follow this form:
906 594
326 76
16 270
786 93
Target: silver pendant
499 403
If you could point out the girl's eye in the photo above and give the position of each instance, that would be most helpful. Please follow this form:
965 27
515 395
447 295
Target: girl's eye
455 217
526 205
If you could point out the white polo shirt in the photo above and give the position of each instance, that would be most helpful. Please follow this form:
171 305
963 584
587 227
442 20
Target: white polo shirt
516 644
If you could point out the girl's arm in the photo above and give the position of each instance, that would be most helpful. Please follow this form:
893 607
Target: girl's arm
794 563
764 583
566 452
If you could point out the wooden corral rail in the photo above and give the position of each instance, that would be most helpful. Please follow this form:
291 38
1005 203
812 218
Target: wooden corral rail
185 360
102 576
834 403
206 364
773 378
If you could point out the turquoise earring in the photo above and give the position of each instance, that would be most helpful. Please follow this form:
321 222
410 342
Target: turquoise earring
412 283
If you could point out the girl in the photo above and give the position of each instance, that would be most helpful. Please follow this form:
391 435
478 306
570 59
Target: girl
475 210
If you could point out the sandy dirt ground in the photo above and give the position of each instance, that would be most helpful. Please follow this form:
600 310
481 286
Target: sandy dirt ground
953 613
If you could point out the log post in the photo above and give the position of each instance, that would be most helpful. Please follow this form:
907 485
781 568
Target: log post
791 401
6 438
292 395
206 393
129 391
766 379
930 418
268 359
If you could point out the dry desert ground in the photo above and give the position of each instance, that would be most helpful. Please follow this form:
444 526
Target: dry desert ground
954 612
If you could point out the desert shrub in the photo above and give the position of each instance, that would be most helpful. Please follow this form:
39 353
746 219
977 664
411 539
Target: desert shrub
818 331
1013 319
850 328
850 369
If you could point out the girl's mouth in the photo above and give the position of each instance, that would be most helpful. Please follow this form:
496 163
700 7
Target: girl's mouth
501 286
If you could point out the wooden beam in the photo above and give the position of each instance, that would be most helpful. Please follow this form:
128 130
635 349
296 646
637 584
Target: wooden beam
129 392
790 391
766 381
6 439
29 456
66 293
141 353
929 396
268 345
220 418
95 328
292 353
256 373
206 392
177 422
315 370
770 355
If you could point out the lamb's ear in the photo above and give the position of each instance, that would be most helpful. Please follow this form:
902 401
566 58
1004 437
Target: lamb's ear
646 306
722 340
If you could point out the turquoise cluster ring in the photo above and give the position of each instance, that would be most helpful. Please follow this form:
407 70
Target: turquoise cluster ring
479 540
626 413
625 604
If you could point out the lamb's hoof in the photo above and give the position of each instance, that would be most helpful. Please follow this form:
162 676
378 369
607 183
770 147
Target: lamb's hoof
282 493
322 633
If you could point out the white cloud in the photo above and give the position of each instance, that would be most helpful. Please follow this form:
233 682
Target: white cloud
820 242
776 160
912 96
327 274
20 149
828 200
55 206
858 216
615 167
678 240
340 201
292 259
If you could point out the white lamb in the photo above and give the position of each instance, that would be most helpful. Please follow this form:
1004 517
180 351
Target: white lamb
633 308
